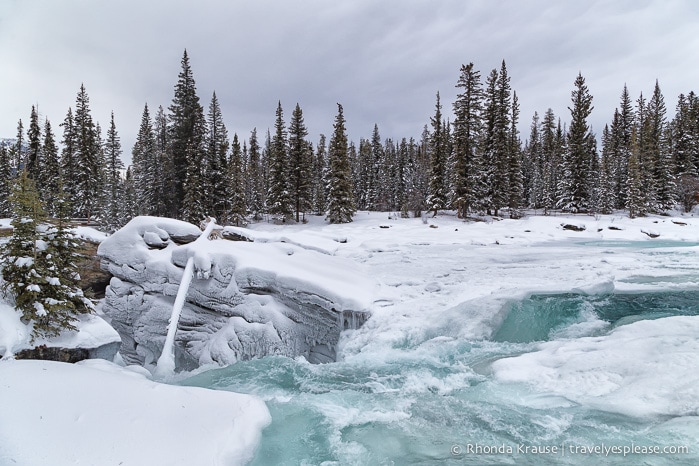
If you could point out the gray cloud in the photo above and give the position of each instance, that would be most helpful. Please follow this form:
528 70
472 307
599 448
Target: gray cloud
384 61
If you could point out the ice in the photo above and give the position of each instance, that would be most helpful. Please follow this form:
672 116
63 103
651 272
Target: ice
98 413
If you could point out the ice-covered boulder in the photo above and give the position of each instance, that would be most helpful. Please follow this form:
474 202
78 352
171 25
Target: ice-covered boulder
246 300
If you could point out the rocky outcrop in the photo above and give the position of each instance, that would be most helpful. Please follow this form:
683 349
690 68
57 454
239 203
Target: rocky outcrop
247 299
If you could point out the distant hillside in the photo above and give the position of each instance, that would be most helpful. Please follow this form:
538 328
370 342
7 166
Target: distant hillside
7 142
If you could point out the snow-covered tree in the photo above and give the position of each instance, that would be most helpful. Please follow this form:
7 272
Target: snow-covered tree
38 269
87 159
112 215
33 162
50 180
319 173
237 205
215 182
577 175
467 127
278 197
437 197
185 137
340 196
300 164
255 184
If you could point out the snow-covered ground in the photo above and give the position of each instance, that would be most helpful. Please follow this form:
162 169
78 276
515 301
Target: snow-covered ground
426 369
97 413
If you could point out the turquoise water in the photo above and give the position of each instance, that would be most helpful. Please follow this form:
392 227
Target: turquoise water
421 403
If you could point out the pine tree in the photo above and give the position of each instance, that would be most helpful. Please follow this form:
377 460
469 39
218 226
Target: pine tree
195 200
577 176
87 159
255 189
300 160
320 198
636 202
514 168
622 126
130 201
658 146
50 180
186 132
113 188
437 198
21 256
279 197
68 158
340 199
5 182
144 158
237 207
38 272
163 197
215 183
33 155
467 127
605 195
18 151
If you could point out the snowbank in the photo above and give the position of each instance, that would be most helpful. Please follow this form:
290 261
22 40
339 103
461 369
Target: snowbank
647 368
94 335
98 413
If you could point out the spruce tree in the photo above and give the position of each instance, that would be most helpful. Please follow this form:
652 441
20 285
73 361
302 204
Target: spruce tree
68 159
215 182
319 175
658 146
5 182
605 195
255 186
186 131
87 160
112 216
515 186
143 157
467 127
195 202
636 202
340 198
38 272
300 160
237 205
437 198
33 156
50 181
279 197
164 201
577 176
18 150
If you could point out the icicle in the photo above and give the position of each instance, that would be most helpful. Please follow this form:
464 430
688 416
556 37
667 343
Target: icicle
166 362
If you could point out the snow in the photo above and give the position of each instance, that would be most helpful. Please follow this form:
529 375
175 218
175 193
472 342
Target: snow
248 299
424 287
646 368
93 332
99 413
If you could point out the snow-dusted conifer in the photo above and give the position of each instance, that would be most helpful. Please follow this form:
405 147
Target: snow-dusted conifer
278 196
340 196
300 164
437 197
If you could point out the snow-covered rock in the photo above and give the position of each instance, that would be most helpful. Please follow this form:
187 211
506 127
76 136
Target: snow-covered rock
246 300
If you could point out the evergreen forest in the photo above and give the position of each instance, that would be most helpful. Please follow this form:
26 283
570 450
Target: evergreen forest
470 158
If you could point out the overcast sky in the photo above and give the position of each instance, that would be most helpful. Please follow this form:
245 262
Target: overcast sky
384 61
